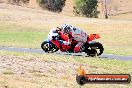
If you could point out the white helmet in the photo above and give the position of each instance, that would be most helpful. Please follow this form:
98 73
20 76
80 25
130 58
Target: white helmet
66 28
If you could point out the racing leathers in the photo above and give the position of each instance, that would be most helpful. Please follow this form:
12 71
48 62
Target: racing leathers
77 34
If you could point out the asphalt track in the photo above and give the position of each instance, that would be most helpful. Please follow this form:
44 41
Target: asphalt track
40 51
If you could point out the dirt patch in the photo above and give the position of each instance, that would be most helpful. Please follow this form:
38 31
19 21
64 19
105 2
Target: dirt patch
28 65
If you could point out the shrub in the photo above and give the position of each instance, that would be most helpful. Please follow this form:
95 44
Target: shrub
87 8
52 5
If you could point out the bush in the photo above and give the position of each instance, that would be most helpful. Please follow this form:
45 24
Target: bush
87 8
52 5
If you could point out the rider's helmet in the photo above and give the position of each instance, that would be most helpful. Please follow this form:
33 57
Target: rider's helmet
66 28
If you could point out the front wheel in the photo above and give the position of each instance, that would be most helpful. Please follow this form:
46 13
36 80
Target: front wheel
49 47
95 49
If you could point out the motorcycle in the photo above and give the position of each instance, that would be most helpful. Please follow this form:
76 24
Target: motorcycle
55 43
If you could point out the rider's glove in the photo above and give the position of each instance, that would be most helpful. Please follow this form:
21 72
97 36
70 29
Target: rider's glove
66 43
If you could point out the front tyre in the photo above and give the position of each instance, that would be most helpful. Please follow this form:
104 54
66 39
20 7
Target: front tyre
48 47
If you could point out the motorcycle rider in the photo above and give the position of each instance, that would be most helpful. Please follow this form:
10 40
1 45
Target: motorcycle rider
53 31
56 31
77 34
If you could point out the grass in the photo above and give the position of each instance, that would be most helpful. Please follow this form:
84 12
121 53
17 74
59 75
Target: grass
20 36
125 16
22 39
36 79
113 64
116 38
8 72
28 29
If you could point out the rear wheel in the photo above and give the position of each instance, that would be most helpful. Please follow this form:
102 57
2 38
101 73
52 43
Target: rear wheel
95 49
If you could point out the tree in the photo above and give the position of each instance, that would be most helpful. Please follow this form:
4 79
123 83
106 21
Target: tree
87 8
52 5
106 7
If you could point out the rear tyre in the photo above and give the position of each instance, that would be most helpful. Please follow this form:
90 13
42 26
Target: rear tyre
92 52
95 49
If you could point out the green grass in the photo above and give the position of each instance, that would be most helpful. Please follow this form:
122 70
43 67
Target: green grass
21 36
67 79
116 38
29 29
22 39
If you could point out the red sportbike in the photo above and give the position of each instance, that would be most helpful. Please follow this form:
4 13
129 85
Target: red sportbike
55 43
